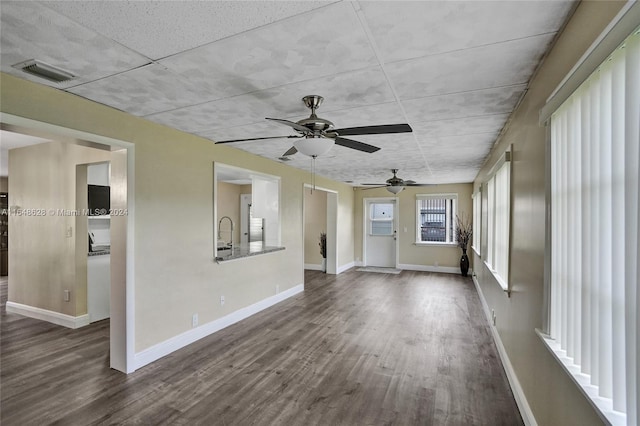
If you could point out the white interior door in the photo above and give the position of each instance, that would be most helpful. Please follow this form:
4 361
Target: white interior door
380 232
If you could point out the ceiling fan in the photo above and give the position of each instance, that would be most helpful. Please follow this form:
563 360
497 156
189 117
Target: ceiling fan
315 136
395 184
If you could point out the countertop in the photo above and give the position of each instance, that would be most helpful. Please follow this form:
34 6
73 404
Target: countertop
245 250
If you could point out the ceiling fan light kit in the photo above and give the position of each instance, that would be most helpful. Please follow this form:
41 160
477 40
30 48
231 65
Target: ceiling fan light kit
395 189
313 147
316 136
395 184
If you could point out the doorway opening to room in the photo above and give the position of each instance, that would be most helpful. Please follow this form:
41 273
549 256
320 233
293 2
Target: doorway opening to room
48 268
320 217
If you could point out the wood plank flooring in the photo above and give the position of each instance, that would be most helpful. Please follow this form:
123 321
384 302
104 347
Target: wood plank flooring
359 348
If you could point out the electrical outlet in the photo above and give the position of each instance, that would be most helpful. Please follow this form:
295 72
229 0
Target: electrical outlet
67 295
277 288
194 320
493 317
436 264
221 300
69 232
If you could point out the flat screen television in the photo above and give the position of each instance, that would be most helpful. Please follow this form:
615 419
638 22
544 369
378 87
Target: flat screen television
99 200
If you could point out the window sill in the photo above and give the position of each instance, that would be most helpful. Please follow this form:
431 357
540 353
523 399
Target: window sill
244 251
504 284
603 406
435 244
476 251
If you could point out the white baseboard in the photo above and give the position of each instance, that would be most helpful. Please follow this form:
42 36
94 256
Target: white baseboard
518 393
428 268
49 316
312 267
162 349
343 268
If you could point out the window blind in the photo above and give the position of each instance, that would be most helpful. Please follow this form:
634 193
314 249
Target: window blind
594 232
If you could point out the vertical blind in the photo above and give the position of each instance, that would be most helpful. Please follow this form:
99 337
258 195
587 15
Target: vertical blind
498 214
594 229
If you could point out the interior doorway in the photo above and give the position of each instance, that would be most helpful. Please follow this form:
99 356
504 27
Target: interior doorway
121 339
325 219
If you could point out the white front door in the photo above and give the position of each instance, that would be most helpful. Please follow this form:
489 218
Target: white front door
380 232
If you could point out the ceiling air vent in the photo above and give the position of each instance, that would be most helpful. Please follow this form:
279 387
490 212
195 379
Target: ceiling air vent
44 70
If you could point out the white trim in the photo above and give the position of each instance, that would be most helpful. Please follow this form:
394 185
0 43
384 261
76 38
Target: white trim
47 315
116 356
162 349
346 267
602 406
428 268
518 393
313 267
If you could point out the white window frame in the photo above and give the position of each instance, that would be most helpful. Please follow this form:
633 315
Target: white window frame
497 256
591 273
476 243
450 229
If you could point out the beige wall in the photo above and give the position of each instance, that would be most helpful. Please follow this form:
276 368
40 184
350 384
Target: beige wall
229 205
409 252
42 259
553 397
175 275
315 222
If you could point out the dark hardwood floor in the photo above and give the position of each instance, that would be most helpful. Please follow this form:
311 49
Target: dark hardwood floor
359 348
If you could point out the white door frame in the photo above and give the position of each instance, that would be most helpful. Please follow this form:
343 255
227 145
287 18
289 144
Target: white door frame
122 334
365 221
332 227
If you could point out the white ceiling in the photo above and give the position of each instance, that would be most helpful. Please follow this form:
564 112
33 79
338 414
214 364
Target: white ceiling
453 70
10 140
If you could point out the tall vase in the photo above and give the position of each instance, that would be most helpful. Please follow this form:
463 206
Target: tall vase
464 263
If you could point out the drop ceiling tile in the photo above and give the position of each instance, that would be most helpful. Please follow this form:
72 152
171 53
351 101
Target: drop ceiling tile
457 25
496 65
143 91
341 91
466 104
461 126
157 28
460 141
327 41
31 31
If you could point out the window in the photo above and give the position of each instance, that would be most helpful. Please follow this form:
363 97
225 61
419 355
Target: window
435 217
498 219
381 219
477 216
593 318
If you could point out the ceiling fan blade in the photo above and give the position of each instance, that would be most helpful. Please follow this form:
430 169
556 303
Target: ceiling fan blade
291 124
349 143
257 139
374 187
419 184
374 130
290 151
409 182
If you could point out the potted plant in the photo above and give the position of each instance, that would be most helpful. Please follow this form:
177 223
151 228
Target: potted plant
323 250
464 231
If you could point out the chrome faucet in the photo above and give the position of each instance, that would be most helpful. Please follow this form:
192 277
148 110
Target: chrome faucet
231 232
